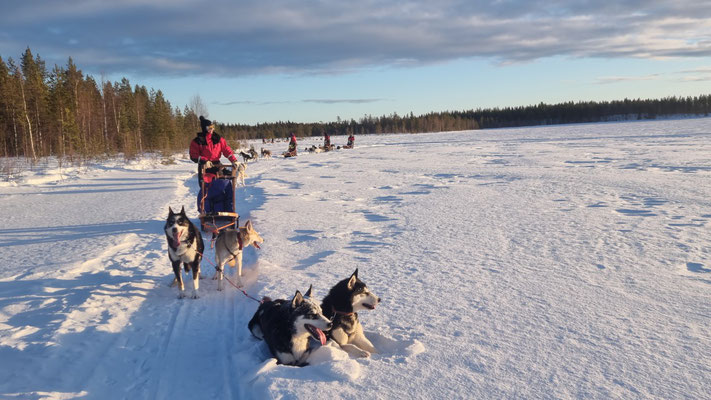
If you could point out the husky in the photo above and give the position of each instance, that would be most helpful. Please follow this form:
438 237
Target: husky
245 156
228 248
241 172
287 325
341 305
314 149
253 153
184 246
266 153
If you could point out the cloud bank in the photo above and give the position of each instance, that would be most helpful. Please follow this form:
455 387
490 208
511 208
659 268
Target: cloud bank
226 38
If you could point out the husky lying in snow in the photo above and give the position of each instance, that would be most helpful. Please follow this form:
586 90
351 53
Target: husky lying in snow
341 305
184 246
228 248
287 325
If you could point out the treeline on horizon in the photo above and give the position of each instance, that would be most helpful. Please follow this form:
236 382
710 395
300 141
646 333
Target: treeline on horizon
63 112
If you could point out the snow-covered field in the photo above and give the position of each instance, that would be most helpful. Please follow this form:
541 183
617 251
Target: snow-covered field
546 262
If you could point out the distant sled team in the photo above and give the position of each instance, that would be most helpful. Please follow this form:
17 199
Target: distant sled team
327 146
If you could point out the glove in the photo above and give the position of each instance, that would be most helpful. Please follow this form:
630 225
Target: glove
208 164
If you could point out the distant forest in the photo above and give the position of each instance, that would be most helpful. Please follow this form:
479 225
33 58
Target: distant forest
63 112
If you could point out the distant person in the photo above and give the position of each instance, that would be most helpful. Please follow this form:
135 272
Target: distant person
326 141
351 142
208 146
291 152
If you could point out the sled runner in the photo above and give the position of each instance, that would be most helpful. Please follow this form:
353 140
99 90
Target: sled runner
216 198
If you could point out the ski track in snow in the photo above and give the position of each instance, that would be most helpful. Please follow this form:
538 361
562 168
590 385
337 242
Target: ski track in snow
553 262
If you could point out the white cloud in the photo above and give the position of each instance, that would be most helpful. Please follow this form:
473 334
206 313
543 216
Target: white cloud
616 79
282 36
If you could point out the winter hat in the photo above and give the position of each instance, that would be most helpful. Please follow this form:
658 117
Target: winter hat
204 124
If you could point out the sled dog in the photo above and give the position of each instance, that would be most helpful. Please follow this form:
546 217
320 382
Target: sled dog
314 149
341 305
286 326
184 246
266 153
228 248
241 172
245 156
253 153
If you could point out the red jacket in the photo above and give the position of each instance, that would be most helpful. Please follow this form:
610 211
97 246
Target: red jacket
210 147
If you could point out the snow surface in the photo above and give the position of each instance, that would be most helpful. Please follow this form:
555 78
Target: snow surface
547 262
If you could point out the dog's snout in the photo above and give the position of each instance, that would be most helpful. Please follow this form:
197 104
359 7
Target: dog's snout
175 229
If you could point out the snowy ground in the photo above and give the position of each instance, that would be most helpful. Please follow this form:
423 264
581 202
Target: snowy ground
548 262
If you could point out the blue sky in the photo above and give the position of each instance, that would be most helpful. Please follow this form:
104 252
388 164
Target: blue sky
263 61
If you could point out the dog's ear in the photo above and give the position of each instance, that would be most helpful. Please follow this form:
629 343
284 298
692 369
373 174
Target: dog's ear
352 281
297 300
248 225
170 211
182 210
308 292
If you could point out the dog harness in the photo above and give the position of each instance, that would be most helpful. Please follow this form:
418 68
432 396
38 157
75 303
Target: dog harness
341 312
234 255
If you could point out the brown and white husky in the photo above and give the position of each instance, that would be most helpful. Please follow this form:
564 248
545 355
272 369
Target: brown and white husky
228 248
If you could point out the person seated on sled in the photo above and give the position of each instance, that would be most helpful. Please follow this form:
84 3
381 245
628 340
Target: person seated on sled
326 142
292 145
208 147
351 142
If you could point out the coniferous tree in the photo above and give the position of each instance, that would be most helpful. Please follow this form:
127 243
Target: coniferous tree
68 114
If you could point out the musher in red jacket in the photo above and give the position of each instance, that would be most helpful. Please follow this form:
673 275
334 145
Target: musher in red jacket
291 152
209 146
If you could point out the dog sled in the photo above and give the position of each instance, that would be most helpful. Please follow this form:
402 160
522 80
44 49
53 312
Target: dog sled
216 198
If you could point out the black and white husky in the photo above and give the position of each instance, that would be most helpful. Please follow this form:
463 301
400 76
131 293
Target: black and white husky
184 246
286 326
341 305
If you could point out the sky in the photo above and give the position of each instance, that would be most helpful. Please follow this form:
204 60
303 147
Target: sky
309 61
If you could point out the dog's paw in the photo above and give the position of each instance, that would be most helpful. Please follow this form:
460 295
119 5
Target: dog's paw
195 295
363 354
181 295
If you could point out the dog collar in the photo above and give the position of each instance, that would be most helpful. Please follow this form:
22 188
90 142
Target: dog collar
341 312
